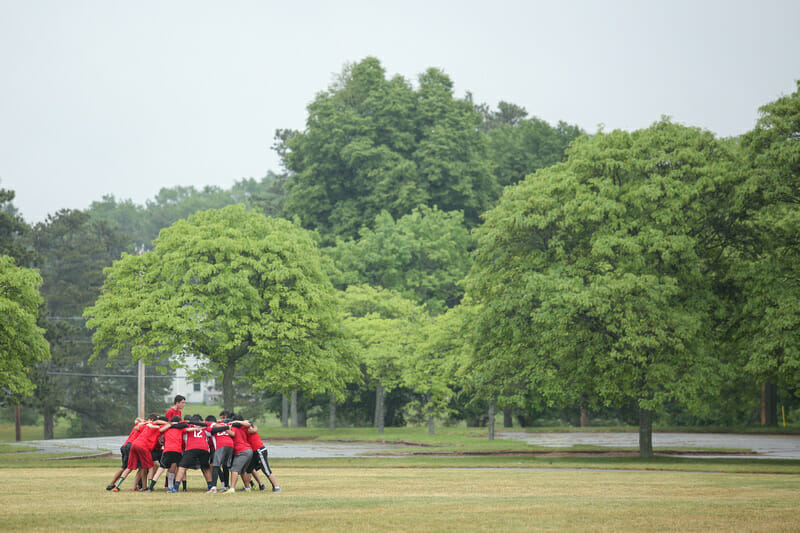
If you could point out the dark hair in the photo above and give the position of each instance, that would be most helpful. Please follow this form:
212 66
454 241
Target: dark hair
163 418
236 417
224 414
152 416
179 398
211 418
175 418
197 418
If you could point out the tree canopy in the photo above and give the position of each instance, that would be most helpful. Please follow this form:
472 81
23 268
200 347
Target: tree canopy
373 144
423 256
232 286
597 276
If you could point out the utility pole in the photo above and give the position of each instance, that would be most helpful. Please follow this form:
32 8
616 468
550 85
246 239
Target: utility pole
140 402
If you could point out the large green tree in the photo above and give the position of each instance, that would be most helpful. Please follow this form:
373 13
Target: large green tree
22 342
234 287
599 275
372 144
770 269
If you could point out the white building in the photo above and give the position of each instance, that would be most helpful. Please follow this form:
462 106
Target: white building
198 392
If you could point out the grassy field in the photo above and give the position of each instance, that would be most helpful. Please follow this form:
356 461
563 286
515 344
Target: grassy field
406 498
454 481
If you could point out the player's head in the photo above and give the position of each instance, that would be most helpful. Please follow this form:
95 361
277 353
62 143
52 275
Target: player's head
175 418
152 416
211 418
180 401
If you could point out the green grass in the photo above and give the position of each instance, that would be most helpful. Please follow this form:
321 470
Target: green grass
456 480
404 497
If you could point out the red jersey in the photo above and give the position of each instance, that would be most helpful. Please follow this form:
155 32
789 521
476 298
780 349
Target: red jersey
173 440
255 441
195 438
134 434
172 412
149 437
240 443
222 439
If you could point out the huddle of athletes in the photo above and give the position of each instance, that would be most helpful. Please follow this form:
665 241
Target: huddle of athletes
225 450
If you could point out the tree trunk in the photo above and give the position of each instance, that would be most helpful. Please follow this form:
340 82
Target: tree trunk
48 423
379 414
769 404
431 430
645 433
228 400
491 419
284 410
17 423
293 409
508 417
584 417
332 414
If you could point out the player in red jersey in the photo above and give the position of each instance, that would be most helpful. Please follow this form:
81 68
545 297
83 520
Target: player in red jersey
125 450
195 453
242 452
177 408
259 460
142 447
222 439
173 448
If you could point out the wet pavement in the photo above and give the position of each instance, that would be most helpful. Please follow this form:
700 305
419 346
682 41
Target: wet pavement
765 446
283 450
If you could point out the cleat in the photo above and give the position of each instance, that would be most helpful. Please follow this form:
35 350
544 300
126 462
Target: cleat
262 487
115 489
212 490
276 489
110 487
230 490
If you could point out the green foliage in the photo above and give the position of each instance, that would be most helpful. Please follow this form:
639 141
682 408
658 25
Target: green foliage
422 256
372 144
770 268
231 286
172 204
598 277
386 328
72 249
12 228
22 342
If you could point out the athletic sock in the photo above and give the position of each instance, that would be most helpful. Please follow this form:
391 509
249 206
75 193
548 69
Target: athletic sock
170 480
119 482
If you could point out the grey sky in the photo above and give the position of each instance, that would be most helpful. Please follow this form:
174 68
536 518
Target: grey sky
124 98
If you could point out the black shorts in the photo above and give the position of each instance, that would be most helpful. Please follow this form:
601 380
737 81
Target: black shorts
170 458
259 462
125 450
193 458
156 455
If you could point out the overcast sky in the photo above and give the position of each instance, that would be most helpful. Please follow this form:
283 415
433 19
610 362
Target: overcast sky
126 97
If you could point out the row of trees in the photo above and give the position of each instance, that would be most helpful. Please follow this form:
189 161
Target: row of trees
652 272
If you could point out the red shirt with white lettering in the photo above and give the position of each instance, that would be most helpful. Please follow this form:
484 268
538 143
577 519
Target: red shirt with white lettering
195 438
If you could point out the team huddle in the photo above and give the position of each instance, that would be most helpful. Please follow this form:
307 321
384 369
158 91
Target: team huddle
226 450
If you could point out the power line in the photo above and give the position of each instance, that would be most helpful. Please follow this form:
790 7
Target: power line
108 375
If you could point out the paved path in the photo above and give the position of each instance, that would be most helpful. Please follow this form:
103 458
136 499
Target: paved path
283 450
767 446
